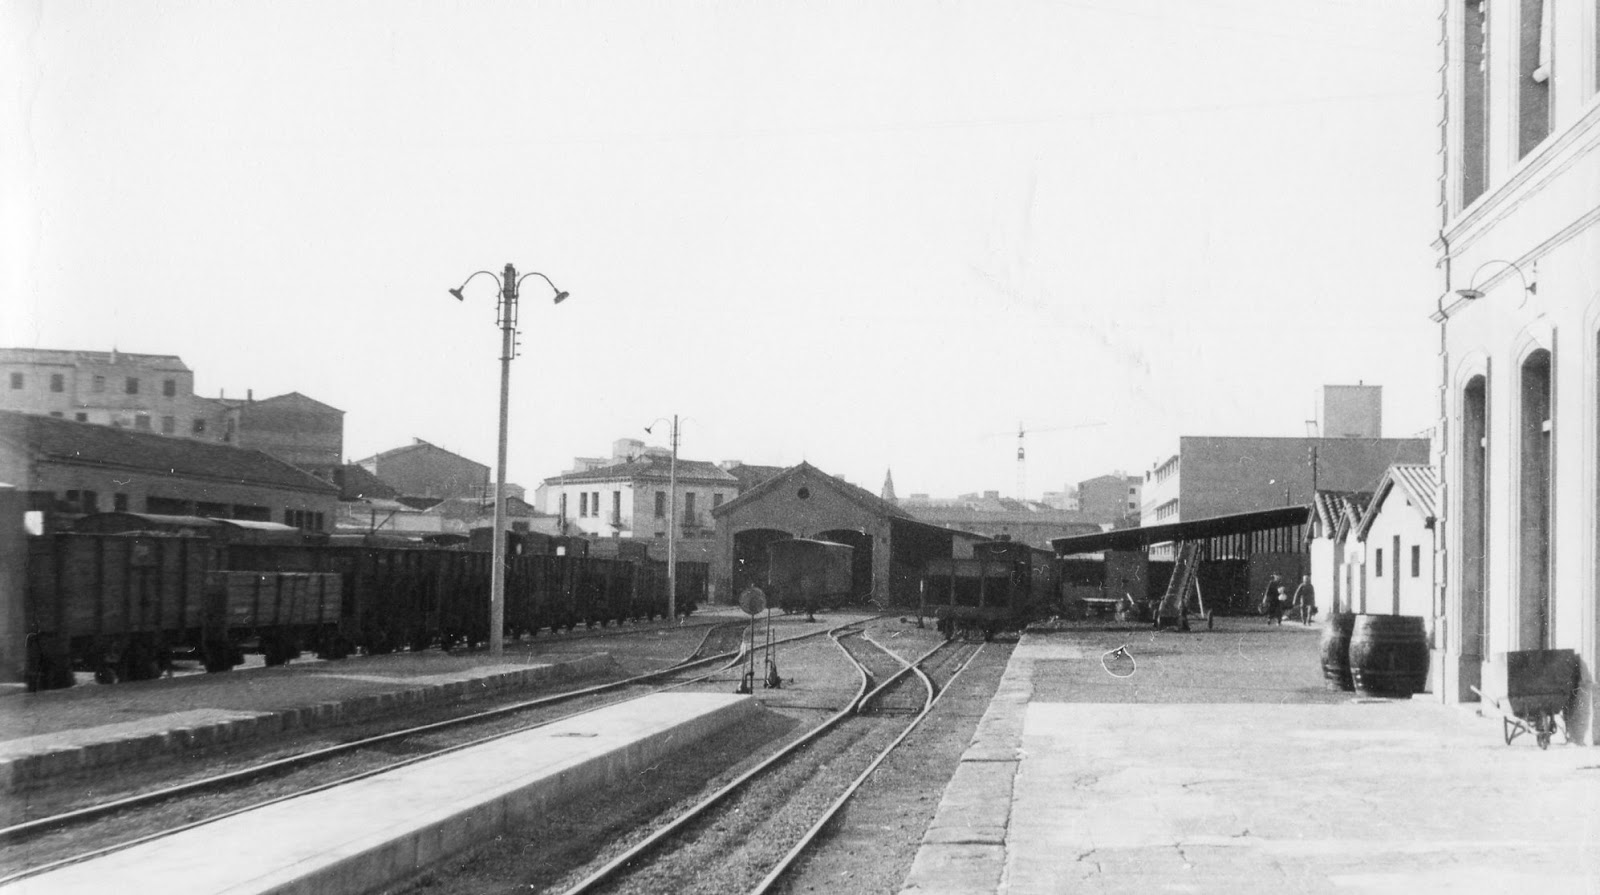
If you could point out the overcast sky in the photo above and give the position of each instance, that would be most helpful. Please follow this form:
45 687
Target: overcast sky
868 235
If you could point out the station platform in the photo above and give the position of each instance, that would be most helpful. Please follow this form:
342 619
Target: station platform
89 727
1219 762
367 834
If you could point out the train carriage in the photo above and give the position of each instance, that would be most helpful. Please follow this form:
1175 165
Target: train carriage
1002 587
804 575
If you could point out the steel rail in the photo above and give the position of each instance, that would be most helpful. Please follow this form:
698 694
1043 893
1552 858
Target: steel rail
810 835
607 872
37 827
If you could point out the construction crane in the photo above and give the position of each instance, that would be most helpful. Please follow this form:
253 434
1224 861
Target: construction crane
1022 450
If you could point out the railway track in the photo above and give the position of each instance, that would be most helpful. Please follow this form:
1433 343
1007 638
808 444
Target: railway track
41 844
749 834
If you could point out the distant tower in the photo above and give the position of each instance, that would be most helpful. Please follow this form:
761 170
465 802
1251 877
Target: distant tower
1352 411
888 486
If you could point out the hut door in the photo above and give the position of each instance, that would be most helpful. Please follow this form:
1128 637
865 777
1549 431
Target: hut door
1395 575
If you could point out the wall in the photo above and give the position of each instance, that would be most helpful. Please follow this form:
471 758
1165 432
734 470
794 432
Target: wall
429 471
296 431
1395 519
139 488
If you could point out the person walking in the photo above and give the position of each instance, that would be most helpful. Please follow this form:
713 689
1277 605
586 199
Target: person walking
1305 600
1270 605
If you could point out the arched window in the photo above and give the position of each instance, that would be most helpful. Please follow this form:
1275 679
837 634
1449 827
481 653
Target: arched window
1534 614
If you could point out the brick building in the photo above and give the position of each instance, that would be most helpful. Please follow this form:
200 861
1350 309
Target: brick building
143 392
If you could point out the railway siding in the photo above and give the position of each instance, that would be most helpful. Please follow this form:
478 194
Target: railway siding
260 703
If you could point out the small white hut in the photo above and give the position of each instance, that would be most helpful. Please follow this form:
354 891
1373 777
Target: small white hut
1397 538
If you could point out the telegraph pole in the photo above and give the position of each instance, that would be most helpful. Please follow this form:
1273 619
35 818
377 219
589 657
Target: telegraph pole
672 527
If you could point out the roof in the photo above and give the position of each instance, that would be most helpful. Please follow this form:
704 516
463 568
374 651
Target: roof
649 466
416 444
750 476
868 501
68 358
1216 526
1417 481
356 482
1331 509
293 398
68 442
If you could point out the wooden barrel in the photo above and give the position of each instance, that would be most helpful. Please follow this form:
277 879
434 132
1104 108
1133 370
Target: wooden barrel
1388 655
1335 649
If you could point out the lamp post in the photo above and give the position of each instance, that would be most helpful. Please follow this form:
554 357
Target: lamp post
506 312
672 521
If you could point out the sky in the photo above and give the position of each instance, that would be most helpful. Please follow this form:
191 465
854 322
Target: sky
869 235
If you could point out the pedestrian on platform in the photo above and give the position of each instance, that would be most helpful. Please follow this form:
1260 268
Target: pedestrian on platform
1305 600
1269 601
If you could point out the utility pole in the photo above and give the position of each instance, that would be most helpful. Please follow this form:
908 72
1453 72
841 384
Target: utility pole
672 527
497 578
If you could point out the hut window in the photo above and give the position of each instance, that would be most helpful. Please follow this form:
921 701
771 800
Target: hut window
1416 561
1377 563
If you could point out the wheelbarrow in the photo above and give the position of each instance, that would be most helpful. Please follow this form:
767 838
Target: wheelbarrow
1530 689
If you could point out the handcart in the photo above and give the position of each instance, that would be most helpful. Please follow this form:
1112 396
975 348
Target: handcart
1530 689
1538 716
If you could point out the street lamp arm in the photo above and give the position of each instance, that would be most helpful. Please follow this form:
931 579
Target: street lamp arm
1528 288
458 290
560 296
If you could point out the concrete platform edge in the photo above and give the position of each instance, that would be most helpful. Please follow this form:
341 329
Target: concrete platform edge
21 771
963 851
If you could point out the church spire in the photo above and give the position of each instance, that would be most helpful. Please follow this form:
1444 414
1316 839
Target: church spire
888 486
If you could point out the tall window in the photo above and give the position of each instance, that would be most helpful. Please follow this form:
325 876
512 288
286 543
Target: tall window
1377 563
169 387
132 385
616 506
1416 561
99 384
16 380
562 511
583 504
1535 64
58 382
688 507
716 500
1474 514
661 504
1475 106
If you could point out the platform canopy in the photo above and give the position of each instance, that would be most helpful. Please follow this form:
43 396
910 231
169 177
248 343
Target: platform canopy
1214 527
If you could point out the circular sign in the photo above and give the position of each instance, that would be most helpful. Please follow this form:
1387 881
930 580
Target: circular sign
752 600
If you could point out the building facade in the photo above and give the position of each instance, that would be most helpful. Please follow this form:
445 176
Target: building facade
1519 312
1115 498
143 392
1222 475
293 428
632 497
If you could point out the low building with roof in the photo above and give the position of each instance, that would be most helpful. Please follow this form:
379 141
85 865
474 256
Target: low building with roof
78 467
1397 534
891 545
1334 517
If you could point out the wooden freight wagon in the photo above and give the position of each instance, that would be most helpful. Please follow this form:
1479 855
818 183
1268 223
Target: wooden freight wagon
804 575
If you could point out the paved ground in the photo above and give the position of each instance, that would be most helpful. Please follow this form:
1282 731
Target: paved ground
1217 762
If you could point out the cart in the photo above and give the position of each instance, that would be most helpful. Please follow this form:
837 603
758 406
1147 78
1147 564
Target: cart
1530 689
1540 717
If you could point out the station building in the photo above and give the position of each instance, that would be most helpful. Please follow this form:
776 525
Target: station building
1519 317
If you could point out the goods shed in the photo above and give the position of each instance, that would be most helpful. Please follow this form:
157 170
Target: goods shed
891 548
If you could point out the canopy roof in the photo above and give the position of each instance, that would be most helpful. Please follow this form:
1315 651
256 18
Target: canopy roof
1216 526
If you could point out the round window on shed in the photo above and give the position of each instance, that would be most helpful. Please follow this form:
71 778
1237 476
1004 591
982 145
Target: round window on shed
803 493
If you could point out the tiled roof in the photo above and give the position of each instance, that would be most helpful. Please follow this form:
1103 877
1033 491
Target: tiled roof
295 398
1335 507
89 444
862 496
170 362
356 483
649 466
416 444
1417 481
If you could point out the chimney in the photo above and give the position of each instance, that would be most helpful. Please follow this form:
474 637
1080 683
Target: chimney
249 394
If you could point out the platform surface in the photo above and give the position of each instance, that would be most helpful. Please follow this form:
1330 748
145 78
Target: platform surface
386 825
1220 763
